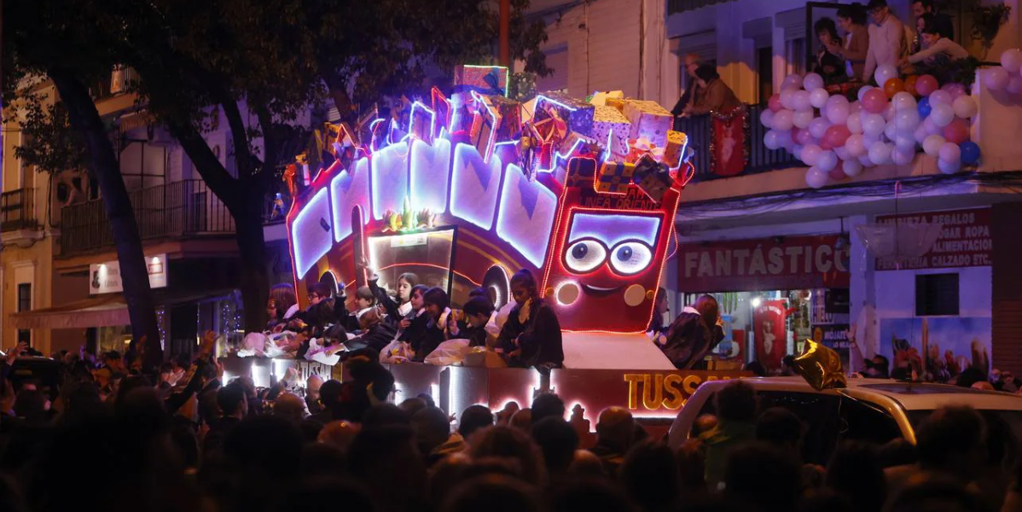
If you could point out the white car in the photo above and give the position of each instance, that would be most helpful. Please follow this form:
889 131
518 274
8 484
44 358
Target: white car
871 410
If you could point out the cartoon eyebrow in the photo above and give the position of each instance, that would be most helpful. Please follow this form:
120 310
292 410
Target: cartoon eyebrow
614 229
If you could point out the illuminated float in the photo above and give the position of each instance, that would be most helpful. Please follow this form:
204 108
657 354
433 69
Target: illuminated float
470 189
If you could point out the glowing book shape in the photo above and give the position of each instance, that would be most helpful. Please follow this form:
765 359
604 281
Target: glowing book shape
349 189
526 214
389 170
431 167
475 186
311 232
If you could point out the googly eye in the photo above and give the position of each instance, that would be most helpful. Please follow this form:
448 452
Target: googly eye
630 258
584 255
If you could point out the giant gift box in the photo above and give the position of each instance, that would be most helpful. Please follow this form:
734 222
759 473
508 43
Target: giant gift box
649 120
609 121
577 114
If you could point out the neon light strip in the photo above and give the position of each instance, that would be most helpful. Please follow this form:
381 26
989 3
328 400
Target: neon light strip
617 228
493 126
304 262
432 119
559 104
558 156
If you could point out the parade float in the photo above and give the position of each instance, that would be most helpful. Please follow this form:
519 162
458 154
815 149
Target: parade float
466 190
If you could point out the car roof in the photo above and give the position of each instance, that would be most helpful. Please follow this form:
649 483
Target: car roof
911 395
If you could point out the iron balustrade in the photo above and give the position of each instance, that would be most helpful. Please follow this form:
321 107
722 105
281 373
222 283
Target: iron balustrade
176 210
17 210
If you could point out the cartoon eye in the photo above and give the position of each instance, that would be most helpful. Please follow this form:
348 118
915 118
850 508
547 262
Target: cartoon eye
630 258
585 255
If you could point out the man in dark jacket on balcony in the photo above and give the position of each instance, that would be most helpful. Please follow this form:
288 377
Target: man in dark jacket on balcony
691 93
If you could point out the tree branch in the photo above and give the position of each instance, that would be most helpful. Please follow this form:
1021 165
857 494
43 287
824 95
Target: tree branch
209 167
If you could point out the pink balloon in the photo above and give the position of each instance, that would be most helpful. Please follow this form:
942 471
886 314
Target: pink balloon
803 137
926 85
874 101
955 90
775 103
838 173
956 132
825 144
837 135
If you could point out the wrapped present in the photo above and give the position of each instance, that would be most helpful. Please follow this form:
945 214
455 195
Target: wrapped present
675 150
610 124
577 114
641 147
618 103
614 177
421 124
652 177
510 116
578 144
649 120
600 98
490 80
580 173
482 134
462 108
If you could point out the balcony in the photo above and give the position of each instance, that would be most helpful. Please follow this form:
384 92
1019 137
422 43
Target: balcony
179 210
700 137
17 210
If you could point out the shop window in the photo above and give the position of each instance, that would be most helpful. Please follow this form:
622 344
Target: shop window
937 295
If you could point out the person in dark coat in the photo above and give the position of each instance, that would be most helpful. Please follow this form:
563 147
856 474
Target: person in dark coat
412 328
532 334
478 311
660 308
376 334
694 333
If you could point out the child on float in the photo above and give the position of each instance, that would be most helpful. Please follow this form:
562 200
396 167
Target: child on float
412 328
376 334
365 300
532 334
478 312
440 322
403 306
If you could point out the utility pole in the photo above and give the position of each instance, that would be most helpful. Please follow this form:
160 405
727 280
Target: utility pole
505 33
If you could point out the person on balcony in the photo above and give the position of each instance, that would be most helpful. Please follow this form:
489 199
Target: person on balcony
939 49
688 97
851 19
717 96
887 43
829 63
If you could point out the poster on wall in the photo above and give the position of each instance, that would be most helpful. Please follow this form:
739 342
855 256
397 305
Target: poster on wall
937 348
771 336
728 150
837 337
964 241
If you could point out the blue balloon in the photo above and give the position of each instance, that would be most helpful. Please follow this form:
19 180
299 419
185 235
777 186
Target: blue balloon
924 108
970 153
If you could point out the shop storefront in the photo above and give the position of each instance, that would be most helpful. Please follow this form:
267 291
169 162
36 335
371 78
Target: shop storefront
773 293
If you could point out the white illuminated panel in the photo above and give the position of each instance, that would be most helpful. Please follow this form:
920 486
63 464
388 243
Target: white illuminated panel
350 189
526 214
475 186
389 179
431 174
312 232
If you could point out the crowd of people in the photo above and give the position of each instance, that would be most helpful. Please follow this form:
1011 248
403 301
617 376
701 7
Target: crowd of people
185 440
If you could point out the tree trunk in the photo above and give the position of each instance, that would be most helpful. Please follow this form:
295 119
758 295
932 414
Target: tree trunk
134 274
252 278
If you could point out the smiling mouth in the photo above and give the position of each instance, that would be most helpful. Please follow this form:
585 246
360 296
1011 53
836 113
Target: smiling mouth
599 291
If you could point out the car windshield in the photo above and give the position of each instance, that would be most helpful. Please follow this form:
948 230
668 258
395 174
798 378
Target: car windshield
994 418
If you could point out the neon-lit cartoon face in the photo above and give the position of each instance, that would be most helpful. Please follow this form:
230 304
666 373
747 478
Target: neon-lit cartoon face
608 263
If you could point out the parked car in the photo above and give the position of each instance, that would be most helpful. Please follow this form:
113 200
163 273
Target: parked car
872 410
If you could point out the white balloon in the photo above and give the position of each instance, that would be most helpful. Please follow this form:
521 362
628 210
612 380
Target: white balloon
1011 60
903 101
905 142
855 122
907 120
851 168
932 145
801 101
827 161
873 125
837 113
901 156
772 139
920 133
940 98
767 118
950 152
891 130
865 161
791 82
842 152
855 145
889 112
810 154
997 78
818 97
931 127
1014 84
812 81
949 167
783 120
965 107
885 73
788 99
836 99
880 153
942 115
863 90
818 127
816 178
802 118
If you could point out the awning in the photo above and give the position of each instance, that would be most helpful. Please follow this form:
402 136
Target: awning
103 311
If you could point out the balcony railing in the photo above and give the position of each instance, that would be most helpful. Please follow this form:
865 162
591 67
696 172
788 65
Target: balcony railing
700 137
176 210
17 210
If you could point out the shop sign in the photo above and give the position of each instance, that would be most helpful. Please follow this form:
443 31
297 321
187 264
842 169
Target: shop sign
781 263
964 241
106 277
